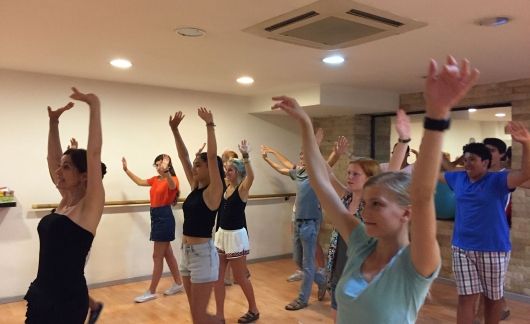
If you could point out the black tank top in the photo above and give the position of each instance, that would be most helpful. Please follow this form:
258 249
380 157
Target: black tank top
232 212
64 247
198 218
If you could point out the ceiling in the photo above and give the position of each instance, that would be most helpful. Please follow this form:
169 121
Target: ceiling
78 38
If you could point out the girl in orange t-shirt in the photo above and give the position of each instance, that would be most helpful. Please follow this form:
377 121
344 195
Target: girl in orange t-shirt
164 193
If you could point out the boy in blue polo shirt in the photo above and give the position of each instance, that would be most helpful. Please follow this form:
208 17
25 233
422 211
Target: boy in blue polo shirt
481 238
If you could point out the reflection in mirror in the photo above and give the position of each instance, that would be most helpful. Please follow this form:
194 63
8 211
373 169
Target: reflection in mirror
466 126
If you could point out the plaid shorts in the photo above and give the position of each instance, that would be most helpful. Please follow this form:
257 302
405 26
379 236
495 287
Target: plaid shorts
480 272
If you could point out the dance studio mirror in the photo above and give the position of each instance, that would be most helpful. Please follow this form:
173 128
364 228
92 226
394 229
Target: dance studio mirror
467 125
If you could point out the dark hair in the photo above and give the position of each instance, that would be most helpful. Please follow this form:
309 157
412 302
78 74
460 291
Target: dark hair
160 157
204 157
497 143
78 157
479 149
508 154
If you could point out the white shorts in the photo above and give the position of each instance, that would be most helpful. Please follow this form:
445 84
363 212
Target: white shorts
232 243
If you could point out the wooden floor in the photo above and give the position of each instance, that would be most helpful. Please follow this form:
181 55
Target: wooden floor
273 292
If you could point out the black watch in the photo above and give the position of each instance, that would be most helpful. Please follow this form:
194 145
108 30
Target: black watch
436 124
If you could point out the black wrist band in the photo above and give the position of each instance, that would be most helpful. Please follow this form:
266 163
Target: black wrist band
404 141
436 124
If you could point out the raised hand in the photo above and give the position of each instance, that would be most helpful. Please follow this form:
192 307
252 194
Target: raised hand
265 149
164 164
200 149
90 98
445 88
73 144
518 131
174 121
55 114
244 148
291 107
402 124
205 115
124 163
341 145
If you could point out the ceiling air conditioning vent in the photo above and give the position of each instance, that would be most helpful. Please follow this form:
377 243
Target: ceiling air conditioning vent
332 24
380 19
292 21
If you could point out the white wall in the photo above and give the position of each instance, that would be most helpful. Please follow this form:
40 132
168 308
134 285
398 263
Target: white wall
135 125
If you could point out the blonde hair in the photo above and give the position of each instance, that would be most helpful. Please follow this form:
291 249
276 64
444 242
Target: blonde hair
396 183
239 165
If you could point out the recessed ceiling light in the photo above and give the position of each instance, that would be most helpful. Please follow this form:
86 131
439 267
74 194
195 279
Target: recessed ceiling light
333 59
245 80
190 32
121 63
500 115
472 109
493 21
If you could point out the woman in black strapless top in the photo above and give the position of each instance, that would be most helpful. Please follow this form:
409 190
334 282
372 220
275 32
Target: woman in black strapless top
199 265
59 293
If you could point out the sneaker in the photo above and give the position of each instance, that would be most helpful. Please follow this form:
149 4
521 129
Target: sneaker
174 289
94 313
296 276
146 296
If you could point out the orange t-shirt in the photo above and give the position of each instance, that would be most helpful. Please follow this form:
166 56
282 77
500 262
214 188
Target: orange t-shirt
160 193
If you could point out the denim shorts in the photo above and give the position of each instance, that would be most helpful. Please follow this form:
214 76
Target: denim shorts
162 224
200 262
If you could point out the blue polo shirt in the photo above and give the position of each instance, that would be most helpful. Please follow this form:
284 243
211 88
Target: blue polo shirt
480 220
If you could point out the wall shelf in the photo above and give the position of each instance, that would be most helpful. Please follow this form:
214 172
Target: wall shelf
8 204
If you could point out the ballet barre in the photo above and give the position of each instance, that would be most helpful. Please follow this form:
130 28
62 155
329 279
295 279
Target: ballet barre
141 202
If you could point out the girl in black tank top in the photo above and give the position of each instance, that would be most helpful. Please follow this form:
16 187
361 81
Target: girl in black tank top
200 263
231 238
59 293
